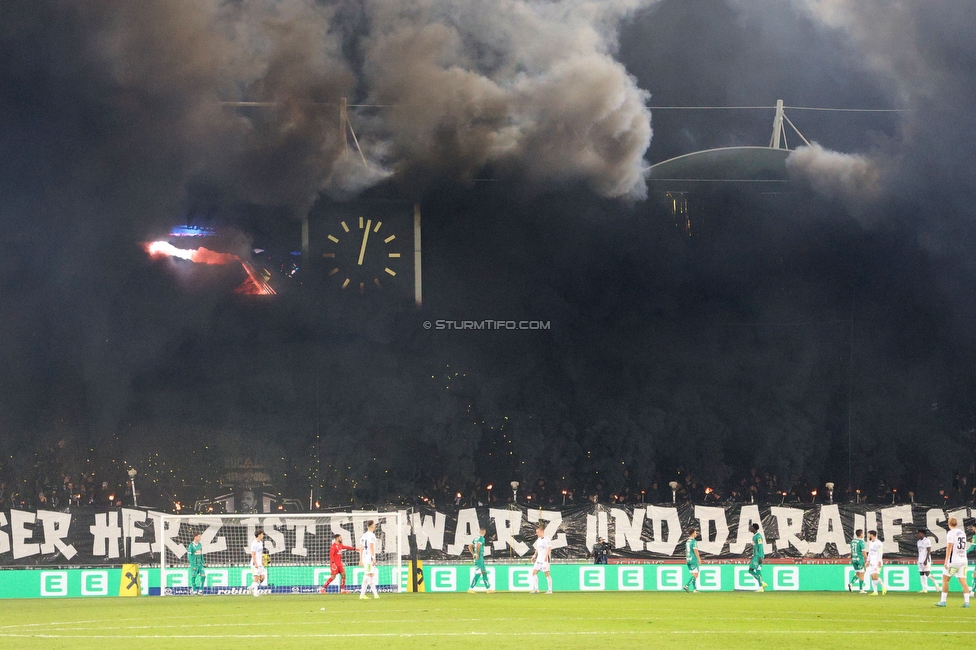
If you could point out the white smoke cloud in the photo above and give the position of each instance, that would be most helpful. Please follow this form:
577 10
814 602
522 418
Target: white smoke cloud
852 177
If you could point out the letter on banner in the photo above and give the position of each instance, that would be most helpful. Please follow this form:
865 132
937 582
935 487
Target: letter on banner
933 517
106 534
747 515
429 530
170 533
4 538
20 533
508 524
210 541
157 523
626 531
56 525
706 515
302 526
553 518
129 519
830 530
892 520
596 526
659 515
467 528
336 528
789 522
274 539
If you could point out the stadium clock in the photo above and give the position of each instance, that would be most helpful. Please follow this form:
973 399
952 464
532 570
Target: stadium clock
361 256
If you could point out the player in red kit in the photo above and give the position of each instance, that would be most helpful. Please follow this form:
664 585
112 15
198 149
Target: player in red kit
335 563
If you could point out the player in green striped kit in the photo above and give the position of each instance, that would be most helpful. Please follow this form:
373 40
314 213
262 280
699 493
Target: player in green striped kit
693 559
857 560
477 548
755 564
194 554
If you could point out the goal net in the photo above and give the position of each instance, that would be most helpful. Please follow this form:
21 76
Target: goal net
296 551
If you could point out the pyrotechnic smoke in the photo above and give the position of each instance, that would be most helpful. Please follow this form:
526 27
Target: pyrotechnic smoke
852 177
530 84
522 85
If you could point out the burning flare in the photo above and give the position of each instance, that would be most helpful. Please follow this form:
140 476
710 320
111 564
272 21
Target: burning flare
254 285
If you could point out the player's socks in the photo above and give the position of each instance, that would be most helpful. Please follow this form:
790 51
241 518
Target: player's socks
362 588
942 596
965 599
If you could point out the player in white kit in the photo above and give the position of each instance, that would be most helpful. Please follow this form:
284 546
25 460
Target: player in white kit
259 573
367 557
540 560
875 562
924 545
956 564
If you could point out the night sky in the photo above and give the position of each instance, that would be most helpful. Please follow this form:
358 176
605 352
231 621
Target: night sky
822 334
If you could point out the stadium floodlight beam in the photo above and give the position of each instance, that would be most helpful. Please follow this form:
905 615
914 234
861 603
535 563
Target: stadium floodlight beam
830 491
674 491
132 483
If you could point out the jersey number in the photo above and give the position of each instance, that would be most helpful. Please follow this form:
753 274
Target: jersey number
961 544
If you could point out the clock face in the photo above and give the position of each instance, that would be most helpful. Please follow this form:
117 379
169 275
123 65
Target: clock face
361 256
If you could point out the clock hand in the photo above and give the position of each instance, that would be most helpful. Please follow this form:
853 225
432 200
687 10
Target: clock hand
362 250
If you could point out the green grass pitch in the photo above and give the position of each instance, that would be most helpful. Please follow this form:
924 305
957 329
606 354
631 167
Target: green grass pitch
502 620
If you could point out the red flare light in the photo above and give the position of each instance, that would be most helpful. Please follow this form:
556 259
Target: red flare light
200 256
254 285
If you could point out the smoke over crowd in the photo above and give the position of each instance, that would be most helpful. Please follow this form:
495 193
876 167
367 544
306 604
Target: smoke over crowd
821 335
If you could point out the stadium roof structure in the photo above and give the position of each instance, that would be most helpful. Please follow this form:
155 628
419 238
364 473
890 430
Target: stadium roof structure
761 165
728 164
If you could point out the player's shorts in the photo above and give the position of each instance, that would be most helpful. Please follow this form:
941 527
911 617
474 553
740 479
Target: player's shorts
956 570
874 569
755 562
373 570
924 567
857 566
196 570
541 566
693 567
480 565
337 568
259 573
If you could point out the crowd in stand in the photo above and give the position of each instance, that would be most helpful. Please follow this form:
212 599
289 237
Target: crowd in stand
758 487
47 486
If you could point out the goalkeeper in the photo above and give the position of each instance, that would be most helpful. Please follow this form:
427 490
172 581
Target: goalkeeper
194 553
336 565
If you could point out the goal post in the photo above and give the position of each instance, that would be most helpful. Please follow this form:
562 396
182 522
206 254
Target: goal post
296 551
